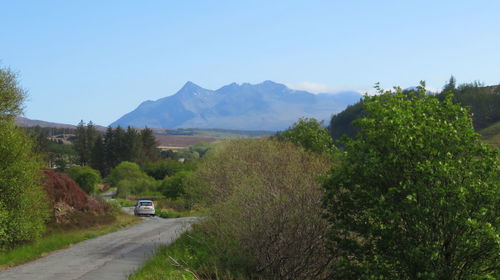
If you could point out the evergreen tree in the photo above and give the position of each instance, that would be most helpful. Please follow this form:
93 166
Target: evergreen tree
80 144
98 160
133 145
149 145
451 85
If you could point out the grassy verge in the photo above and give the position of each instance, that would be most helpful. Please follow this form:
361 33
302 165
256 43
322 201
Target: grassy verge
170 213
190 257
58 239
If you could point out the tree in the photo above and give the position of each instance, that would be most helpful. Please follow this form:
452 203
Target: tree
86 177
85 140
308 133
417 193
451 85
149 145
23 206
11 95
98 159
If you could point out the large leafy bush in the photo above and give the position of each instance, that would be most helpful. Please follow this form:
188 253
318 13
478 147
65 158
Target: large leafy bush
417 194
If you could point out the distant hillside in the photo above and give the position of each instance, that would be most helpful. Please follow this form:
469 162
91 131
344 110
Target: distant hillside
264 106
25 122
491 134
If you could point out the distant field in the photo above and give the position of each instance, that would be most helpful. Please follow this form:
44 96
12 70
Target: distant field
212 133
175 142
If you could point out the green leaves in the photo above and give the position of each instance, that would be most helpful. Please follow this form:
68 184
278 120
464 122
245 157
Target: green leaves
23 206
399 203
309 134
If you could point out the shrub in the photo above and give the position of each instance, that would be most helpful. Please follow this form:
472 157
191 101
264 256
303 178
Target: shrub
86 177
265 199
142 185
417 194
63 191
174 187
167 168
23 206
23 203
124 170
131 180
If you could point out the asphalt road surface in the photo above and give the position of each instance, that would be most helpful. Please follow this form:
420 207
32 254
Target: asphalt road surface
111 256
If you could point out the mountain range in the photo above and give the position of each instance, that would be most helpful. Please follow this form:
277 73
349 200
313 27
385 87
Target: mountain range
264 106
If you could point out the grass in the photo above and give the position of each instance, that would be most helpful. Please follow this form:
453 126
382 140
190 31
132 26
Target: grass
60 239
190 257
179 214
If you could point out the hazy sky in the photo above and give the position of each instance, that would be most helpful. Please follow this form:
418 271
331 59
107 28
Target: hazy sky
97 60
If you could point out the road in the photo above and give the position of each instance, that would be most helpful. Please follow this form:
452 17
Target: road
111 256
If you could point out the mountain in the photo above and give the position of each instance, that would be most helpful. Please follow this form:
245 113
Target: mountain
264 106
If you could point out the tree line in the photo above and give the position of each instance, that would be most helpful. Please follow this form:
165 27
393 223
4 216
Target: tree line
104 151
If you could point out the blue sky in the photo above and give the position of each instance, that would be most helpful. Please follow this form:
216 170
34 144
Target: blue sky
97 60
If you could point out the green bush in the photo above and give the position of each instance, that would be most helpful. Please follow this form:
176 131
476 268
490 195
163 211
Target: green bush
131 180
86 177
174 187
23 202
167 168
417 194
124 170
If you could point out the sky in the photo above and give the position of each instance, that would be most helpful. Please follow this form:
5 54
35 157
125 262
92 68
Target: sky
97 60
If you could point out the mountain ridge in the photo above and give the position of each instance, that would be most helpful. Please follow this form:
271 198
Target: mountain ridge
264 106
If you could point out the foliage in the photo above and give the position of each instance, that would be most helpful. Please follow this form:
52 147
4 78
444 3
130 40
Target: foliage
85 141
120 145
137 186
167 167
309 134
342 123
191 257
201 148
265 199
174 187
124 170
130 179
23 207
417 195
11 96
86 177
483 103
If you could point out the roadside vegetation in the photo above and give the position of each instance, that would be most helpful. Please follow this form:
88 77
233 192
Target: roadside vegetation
413 195
56 239
40 209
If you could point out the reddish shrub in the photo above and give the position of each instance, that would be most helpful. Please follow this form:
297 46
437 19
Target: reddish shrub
62 189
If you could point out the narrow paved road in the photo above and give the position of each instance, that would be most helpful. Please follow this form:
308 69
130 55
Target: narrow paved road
111 256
